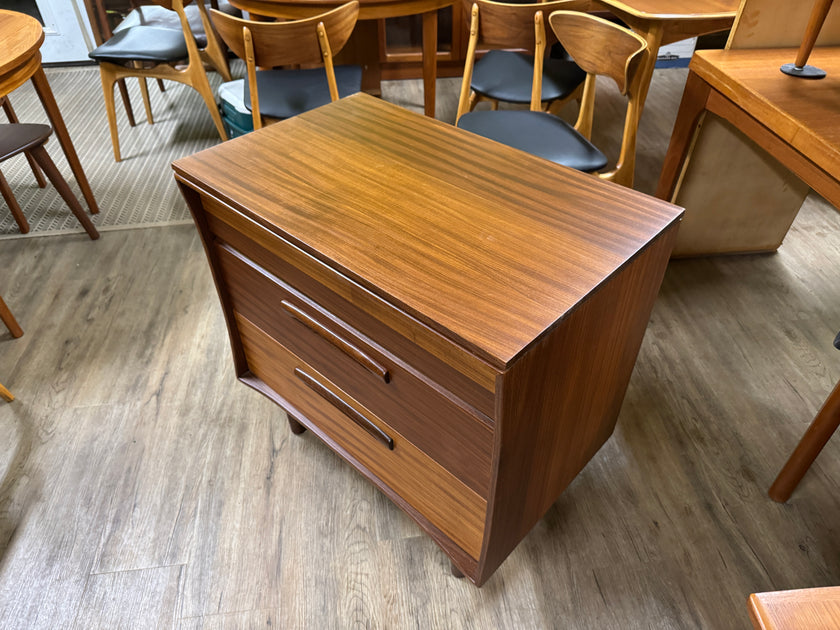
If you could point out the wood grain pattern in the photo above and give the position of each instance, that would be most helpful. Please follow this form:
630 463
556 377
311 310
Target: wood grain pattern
668 526
435 281
425 485
796 610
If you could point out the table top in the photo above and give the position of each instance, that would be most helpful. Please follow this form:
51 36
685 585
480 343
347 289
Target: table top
20 36
661 10
485 244
368 9
803 113
803 609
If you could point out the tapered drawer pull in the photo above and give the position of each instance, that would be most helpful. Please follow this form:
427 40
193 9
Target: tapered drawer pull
347 348
346 409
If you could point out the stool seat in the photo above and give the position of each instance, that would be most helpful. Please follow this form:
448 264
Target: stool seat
15 138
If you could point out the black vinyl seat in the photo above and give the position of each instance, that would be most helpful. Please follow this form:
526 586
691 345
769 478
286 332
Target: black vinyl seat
155 15
17 138
538 133
504 75
145 43
284 94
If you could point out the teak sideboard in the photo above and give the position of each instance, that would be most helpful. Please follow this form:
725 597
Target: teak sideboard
457 319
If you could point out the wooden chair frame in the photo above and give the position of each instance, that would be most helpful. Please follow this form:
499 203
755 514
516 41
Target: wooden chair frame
587 38
239 35
10 322
193 74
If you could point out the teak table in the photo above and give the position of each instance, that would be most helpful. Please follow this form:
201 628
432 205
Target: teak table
455 318
791 119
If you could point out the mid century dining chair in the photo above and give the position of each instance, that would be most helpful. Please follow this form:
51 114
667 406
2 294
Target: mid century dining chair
144 12
816 436
16 138
7 318
599 47
505 75
276 94
155 52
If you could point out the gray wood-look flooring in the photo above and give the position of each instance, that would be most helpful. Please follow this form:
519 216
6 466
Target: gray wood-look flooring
141 486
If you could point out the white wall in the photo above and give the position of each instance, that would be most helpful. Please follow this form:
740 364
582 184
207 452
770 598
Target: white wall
68 36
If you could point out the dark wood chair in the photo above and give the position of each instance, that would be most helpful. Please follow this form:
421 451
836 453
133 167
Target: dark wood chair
156 52
10 322
816 437
282 93
598 46
16 138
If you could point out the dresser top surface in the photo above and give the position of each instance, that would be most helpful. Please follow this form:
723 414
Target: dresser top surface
487 245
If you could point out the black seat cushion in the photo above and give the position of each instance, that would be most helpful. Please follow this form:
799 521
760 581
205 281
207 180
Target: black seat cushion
18 137
155 15
507 76
537 133
287 93
143 43
837 341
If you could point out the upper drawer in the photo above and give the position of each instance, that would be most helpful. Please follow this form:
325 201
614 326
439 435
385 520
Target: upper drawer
385 384
441 359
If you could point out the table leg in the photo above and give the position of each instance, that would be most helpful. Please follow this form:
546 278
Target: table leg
692 106
653 36
42 87
429 61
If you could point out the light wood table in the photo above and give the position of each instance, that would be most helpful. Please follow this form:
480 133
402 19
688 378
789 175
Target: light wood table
663 22
793 120
369 10
21 37
456 318
804 609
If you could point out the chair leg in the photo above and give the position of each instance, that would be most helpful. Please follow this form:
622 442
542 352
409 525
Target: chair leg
815 438
202 86
46 163
161 85
5 394
9 320
129 112
147 103
12 116
9 196
110 109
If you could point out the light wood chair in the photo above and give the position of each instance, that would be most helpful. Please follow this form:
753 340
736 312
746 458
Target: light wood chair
816 436
279 94
10 322
156 52
598 46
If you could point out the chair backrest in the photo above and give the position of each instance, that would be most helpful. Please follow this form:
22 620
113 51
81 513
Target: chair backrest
268 44
506 25
604 48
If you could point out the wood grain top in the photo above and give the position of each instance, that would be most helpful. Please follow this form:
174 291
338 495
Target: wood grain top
487 245
20 37
661 10
803 113
368 9
803 609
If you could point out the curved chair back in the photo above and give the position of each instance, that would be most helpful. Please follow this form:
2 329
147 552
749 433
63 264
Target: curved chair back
604 48
269 44
511 26
291 42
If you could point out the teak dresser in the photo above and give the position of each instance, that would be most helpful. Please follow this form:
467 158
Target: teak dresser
457 319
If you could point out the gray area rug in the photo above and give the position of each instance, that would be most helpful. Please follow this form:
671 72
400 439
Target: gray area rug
140 190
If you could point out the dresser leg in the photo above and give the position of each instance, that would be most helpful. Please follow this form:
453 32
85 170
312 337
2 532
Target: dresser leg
296 427
455 571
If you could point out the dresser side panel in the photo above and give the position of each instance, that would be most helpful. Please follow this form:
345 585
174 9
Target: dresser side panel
560 402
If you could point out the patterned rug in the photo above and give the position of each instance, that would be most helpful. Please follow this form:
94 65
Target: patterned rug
140 190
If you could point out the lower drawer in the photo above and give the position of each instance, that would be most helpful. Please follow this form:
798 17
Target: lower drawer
449 505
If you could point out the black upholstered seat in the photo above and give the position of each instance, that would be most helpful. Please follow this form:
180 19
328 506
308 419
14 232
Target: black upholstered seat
143 43
154 15
505 75
537 133
285 93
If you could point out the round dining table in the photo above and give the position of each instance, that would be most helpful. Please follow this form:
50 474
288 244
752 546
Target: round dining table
20 61
368 10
